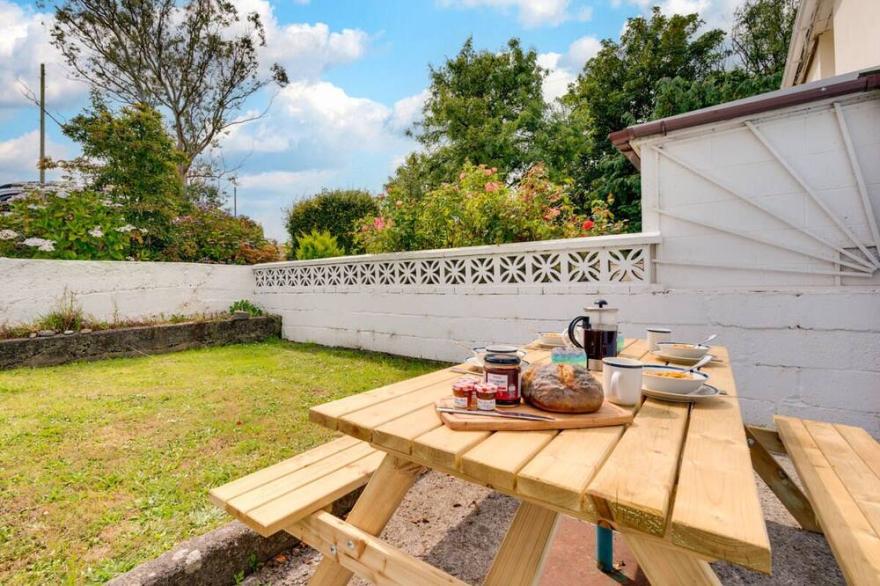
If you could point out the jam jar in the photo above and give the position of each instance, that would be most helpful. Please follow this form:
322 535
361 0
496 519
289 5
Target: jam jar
464 395
486 394
502 370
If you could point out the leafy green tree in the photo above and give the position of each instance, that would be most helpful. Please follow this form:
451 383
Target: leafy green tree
129 156
317 244
485 107
335 211
197 60
617 88
679 95
761 34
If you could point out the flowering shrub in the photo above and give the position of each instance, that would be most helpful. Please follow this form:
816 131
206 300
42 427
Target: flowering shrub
65 225
210 234
480 208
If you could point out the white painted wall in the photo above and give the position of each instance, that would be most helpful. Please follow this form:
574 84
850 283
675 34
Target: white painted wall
129 290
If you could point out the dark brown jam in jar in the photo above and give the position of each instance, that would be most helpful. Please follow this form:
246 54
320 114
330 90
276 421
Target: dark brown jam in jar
502 370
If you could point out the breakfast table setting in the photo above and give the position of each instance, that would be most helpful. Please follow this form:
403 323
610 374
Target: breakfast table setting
643 437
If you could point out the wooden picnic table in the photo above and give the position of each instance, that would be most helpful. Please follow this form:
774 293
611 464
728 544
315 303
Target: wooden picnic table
677 483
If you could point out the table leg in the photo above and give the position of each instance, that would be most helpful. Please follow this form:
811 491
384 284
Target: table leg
522 553
381 497
667 565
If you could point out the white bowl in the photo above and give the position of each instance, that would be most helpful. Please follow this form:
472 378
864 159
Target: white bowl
683 349
551 339
681 386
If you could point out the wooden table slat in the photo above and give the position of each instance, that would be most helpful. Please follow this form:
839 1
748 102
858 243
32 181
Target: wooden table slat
717 510
635 484
498 458
561 471
327 414
398 434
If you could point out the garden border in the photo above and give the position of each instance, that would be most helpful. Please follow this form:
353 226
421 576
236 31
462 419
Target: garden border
136 341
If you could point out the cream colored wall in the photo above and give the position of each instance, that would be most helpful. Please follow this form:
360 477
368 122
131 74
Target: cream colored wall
823 63
856 35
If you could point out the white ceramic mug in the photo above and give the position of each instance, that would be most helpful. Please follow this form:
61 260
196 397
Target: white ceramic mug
622 380
656 335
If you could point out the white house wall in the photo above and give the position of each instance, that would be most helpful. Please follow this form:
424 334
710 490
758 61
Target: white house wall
772 200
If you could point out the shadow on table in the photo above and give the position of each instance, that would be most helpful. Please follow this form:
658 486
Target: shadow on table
799 557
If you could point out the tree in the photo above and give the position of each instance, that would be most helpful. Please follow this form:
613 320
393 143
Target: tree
761 34
197 61
618 87
129 157
334 211
485 107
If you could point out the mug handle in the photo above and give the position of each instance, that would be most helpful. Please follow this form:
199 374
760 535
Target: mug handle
615 380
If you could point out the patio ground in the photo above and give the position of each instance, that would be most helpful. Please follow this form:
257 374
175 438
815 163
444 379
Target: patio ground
107 464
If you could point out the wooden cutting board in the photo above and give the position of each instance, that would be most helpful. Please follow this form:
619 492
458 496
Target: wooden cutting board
607 415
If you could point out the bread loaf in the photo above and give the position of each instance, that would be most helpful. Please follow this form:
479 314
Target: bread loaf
562 388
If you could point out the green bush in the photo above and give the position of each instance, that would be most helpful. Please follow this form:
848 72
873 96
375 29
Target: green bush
245 305
209 234
318 245
66 225
337 211
480 208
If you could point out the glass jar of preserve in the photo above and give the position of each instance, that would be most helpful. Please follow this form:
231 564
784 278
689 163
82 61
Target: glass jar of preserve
502 370
464 396
486 394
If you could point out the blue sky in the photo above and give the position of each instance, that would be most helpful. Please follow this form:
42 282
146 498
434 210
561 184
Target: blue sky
358 70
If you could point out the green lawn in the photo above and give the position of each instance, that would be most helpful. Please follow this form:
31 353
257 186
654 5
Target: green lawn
107 464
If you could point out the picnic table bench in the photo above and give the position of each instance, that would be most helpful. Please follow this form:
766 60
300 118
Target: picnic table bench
840 469
677 483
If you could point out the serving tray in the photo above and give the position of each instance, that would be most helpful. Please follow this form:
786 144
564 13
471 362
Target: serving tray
607 415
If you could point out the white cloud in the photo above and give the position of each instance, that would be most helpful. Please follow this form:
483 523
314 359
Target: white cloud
716 13
24 44
563 69
407 111
19 156
305 50
531 13
286 182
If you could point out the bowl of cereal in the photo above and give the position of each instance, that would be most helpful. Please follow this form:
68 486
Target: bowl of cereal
671 379
683 350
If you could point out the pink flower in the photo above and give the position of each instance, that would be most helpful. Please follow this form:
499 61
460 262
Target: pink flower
588 225
492 186
379 223
461 176
398 203
551 213
487 172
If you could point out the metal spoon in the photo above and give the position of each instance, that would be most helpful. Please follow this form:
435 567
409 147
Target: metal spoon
701 362
707 340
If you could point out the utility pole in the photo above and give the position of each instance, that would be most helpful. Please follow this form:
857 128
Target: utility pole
42 123
234 181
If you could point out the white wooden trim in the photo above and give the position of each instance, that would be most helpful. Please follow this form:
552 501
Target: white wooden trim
857 173
719 183
809 191
754 238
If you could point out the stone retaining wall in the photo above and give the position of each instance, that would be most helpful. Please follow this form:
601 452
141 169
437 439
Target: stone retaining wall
142 341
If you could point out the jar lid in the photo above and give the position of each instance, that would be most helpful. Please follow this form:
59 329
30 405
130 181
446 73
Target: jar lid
486 388
501 349
502 359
